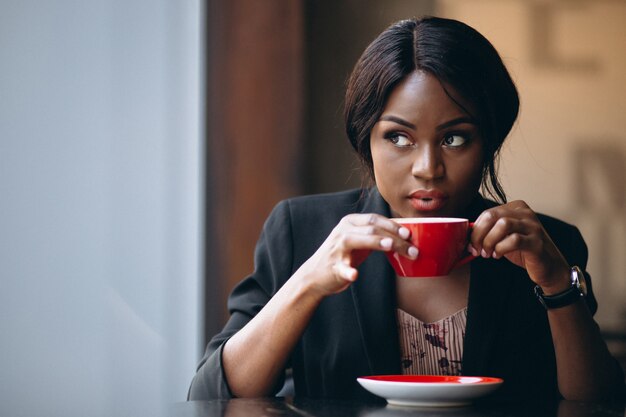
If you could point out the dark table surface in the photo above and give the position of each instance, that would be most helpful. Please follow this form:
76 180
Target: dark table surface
288 407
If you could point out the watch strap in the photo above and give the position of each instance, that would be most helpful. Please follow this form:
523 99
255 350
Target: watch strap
562 299
577 290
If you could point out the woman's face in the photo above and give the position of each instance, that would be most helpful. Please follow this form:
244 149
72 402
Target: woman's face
426 150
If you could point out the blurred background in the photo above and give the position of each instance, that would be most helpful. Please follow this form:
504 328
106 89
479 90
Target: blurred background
144 142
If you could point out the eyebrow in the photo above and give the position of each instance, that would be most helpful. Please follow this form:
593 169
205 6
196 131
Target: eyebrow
398 121
445 125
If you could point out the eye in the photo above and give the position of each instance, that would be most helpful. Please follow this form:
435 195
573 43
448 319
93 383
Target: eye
454 141
398 139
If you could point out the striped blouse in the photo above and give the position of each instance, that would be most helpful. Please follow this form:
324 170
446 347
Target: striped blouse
432 348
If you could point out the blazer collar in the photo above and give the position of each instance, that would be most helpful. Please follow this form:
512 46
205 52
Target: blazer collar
373 202
374 298
489 291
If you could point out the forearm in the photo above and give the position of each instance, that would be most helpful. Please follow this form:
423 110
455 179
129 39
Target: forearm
255 357
585 368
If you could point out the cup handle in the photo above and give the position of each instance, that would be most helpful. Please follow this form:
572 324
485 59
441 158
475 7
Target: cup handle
469 257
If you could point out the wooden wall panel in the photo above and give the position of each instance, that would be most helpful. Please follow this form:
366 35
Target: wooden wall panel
254 130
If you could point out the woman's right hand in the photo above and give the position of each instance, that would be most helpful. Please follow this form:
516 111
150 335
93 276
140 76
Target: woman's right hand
332 268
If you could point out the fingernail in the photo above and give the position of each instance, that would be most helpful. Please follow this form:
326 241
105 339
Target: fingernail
471 250
483 253
413 252
386 243
494 255
404 233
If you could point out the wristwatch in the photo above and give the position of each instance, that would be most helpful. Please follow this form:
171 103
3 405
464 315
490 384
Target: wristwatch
577 290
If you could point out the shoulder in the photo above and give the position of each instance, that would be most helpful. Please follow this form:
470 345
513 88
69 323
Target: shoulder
567 238
342 200
328 205
557 228
316 210
299 225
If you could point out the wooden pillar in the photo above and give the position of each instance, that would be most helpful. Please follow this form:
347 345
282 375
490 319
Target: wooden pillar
253 132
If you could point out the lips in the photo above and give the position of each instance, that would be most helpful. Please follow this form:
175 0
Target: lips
428 200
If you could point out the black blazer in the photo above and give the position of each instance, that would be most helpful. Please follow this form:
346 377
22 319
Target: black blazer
354 333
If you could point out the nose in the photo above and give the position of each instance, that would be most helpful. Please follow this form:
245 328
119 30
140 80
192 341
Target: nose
428 164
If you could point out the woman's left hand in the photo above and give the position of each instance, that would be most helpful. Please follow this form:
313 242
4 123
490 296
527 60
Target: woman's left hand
513 230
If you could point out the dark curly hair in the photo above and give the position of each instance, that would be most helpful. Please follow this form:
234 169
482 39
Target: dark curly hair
458 56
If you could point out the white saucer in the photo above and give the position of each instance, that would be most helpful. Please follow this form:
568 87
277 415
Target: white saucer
429 390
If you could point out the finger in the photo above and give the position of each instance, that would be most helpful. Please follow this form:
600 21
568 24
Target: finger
345 271
352 241
402 247
486 222
500 230
389 241
482 226
356 241
511 243
378 223
386 229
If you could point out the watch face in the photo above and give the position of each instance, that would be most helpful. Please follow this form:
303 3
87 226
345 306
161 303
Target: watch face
579 277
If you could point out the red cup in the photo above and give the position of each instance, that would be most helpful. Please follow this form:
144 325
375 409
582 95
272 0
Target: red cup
441 242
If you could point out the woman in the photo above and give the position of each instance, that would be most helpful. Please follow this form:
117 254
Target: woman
428 107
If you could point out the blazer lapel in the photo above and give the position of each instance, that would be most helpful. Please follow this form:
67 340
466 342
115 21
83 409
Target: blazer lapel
375 300
488 293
